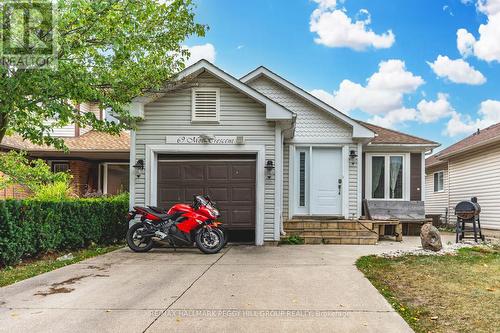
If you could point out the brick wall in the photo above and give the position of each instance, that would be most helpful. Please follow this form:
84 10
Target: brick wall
84 176
14 192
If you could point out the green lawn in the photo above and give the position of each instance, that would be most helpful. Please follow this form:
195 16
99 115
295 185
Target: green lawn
452 293
48 262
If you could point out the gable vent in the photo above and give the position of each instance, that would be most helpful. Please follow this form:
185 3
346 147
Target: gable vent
205 104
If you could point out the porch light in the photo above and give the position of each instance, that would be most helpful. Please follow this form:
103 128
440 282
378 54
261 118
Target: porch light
353 156
139 165
269 167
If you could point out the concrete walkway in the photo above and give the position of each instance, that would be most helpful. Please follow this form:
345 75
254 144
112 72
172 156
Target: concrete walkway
244 289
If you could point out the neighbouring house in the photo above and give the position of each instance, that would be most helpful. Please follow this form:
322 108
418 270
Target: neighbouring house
270 154
468 168
97 161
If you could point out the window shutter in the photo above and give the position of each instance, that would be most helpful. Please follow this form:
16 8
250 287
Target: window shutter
205 104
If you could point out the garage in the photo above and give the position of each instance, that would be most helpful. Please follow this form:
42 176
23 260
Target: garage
228 179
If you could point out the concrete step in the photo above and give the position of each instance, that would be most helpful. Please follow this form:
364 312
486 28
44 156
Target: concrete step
350 225
336 233
339 240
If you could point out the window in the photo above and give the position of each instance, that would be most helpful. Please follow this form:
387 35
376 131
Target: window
60 166
205 105
114 178
387 177
439 181
302 179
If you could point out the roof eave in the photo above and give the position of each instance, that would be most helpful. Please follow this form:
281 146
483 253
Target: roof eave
444 155
274 111
358 130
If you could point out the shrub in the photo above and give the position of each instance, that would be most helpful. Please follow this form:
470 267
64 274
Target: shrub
59 190
32 227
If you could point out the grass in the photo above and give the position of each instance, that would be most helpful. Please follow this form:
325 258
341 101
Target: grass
49 262
452 293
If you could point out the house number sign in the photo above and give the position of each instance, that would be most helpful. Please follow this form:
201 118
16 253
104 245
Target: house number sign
206 139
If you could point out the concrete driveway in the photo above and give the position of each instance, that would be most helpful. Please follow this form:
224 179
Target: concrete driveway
244 289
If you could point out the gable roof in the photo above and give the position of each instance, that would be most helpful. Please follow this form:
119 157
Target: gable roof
91 141
358 129
433 161
387 136
480 138
274 111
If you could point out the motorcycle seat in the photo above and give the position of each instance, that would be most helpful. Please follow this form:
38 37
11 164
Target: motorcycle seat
157 209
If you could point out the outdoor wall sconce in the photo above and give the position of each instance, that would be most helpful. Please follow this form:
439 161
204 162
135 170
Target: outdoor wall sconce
269 167
139 166
353 156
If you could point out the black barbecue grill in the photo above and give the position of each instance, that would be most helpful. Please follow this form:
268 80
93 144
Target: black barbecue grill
467 213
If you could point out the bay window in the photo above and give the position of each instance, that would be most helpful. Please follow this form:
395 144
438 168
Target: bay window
386 177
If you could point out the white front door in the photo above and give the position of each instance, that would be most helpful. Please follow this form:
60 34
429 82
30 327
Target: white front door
318 181
326 185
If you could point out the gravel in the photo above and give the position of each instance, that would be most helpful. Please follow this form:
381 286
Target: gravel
448 249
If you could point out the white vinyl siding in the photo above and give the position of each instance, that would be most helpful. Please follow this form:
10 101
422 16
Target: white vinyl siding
239 116
205 104
436 202
312 123
353 183
477 175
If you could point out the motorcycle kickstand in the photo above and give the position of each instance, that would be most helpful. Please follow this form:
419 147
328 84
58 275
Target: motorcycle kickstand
173 245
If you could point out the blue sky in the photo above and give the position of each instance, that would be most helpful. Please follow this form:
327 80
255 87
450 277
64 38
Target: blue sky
334 48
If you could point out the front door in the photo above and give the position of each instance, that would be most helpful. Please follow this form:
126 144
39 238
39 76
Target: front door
318 179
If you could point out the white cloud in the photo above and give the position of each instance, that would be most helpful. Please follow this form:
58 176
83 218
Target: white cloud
198 52
487 46
431 111
458 71
394 117
335 29
324 96
465 42
459 124
489 7
383 92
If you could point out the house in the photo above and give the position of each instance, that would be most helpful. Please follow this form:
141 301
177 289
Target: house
267 152
468 168
97 161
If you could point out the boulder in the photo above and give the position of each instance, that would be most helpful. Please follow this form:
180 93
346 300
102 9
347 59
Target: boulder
430 238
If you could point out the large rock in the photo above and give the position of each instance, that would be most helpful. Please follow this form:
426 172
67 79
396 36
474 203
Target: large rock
430 237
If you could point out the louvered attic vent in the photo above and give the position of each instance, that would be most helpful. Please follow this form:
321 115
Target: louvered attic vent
205 105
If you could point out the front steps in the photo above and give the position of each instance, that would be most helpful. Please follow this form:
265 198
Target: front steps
331 231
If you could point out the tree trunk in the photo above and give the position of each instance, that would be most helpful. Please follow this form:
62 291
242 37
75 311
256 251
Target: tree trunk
4 123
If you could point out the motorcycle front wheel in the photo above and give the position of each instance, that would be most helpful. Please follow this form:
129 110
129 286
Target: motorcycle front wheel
209 241
136 242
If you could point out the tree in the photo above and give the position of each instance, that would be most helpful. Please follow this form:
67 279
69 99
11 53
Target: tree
109 51
35 174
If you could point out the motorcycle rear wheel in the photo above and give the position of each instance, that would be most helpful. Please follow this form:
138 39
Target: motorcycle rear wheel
136 243
210 241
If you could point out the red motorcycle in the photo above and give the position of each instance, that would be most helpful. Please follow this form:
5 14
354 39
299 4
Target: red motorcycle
181 225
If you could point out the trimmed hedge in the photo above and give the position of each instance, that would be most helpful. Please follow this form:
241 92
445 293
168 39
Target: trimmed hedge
31 227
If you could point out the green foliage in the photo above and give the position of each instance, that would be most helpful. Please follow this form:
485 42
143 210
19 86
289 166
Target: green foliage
32 227
108 51
34 174
57 191
294 240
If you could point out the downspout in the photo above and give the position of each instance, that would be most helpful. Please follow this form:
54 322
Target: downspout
292 130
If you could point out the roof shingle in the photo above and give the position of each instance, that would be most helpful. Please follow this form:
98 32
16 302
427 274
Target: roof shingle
478 138
91 141
388 136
